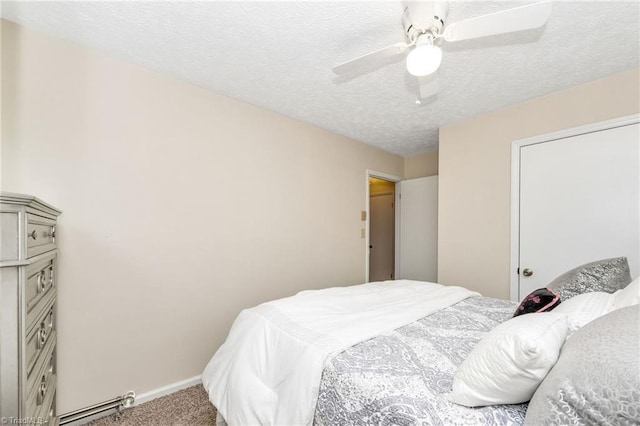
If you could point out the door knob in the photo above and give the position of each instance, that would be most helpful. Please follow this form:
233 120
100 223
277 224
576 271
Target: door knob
527 272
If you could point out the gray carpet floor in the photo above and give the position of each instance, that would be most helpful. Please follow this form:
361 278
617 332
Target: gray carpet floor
187 407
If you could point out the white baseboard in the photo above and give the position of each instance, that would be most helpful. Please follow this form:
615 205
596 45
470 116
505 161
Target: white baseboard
145 397
166 390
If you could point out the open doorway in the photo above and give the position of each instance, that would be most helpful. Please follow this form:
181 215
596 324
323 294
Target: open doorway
405 245
382 229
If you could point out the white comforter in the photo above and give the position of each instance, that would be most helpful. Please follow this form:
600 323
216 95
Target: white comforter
268 370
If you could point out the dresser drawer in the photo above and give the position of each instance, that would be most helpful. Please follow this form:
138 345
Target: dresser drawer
45 365
38 288
40 398
49 415
41 235
40 338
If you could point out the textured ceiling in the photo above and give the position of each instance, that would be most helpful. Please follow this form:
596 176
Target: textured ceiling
279 55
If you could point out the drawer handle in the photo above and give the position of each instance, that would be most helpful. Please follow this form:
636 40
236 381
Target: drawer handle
51 234
51 280
41 282
33 234
42 390
42 336
51 363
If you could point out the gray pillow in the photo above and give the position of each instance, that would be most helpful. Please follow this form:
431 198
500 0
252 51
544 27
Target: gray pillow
597 377
608 275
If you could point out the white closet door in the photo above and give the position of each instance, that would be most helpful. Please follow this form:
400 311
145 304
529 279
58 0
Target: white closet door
579 202
419 229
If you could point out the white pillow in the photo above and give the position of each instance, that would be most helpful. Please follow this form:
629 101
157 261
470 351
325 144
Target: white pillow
509 363
584 308
630 295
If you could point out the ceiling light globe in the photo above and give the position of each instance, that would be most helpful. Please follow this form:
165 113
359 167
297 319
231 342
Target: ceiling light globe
424 60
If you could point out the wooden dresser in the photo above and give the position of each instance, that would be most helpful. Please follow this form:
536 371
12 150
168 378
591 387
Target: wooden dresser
28 281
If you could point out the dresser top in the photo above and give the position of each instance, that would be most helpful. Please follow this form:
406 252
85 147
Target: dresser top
29 201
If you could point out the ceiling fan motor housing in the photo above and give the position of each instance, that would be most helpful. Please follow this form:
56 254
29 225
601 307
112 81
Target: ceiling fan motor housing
423 17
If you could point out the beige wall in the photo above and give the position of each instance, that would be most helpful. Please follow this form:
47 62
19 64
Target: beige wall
475 167
421 165
181 207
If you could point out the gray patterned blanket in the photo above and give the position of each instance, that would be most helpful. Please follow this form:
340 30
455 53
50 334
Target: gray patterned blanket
401 377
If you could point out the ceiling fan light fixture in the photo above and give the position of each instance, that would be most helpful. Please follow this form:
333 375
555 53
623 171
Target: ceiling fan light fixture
424 60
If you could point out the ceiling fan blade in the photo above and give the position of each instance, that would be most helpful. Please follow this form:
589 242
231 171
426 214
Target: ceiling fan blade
428 86
385 56
420 12
516 19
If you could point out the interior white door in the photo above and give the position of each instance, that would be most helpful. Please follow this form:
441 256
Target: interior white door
579 202
381 237
419 229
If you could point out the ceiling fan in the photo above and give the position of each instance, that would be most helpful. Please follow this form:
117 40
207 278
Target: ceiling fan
425 27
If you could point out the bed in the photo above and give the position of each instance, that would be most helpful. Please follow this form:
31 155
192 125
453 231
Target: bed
372 354
401 377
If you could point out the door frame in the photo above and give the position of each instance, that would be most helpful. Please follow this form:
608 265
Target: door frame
516 147
396 216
